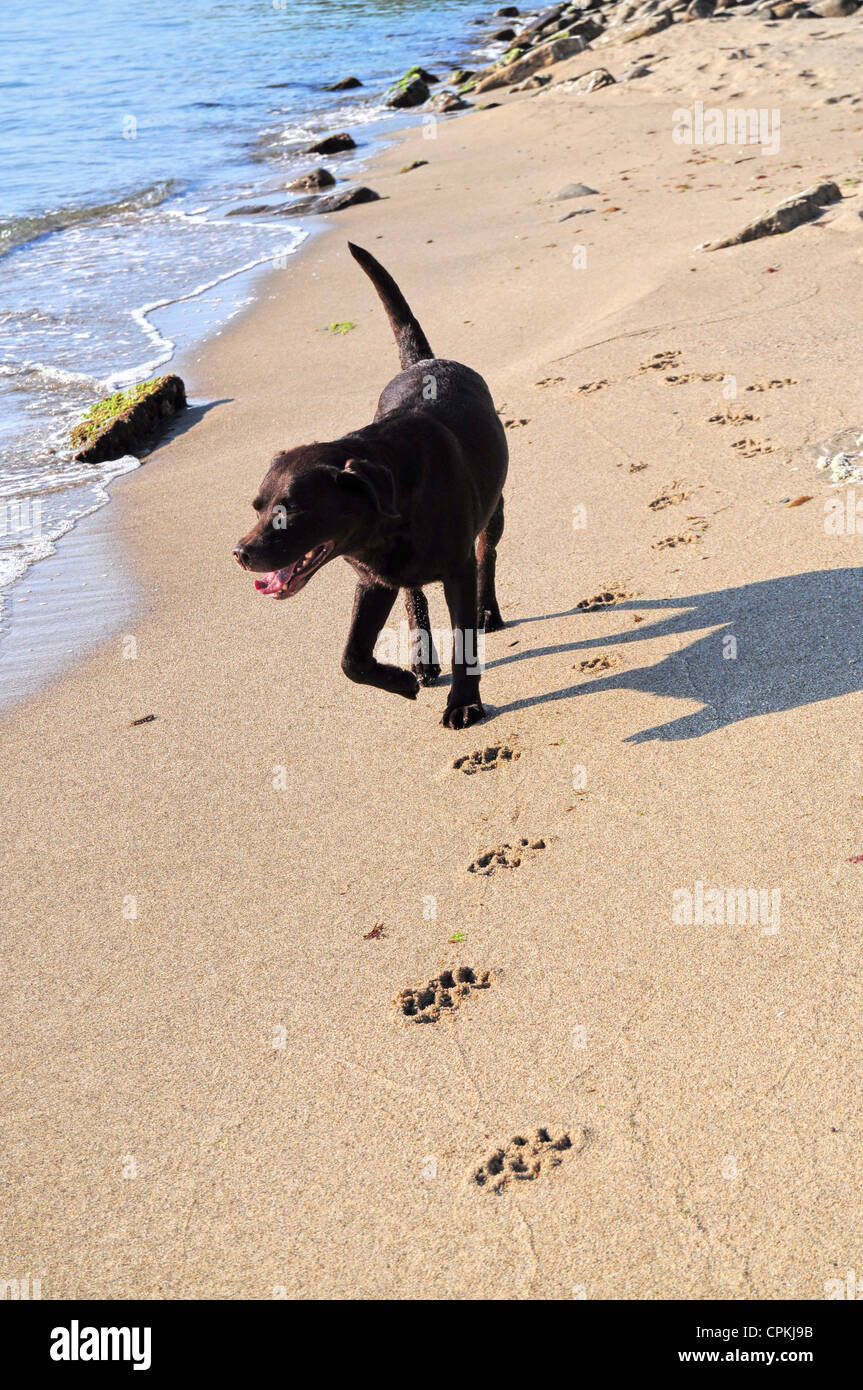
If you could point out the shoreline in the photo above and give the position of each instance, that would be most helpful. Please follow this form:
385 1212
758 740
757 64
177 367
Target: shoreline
79 566
216 912
162 323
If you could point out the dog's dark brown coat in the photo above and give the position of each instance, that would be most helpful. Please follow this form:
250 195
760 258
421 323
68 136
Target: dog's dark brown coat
409 500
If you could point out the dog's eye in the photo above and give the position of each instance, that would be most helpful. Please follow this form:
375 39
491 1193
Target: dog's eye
258 504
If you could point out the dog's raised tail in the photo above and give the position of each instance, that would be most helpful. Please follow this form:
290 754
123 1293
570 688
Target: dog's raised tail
413 345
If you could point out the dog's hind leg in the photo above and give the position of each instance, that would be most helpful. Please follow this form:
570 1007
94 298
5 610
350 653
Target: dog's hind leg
487 612
373 604
464 706
425 663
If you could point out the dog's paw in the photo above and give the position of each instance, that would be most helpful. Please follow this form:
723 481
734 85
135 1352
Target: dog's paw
462 716
427 673
490 620
404 683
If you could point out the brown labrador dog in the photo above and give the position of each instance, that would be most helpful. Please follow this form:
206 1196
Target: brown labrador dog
411 499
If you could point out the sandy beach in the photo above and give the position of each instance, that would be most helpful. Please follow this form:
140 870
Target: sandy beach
211 1089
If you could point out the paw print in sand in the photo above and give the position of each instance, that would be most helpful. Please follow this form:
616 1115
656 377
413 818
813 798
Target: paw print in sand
596 664
670 496
486 759
522 1160
661 360
607 599
504 856
446 993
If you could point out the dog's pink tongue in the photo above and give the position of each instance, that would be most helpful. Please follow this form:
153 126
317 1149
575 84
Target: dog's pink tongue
270 583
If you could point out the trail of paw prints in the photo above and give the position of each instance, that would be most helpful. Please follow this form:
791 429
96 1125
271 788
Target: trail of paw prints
505 856
487 759
441 996
590 386
524 1159
667 361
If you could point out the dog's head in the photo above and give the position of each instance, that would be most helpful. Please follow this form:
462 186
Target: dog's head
315 503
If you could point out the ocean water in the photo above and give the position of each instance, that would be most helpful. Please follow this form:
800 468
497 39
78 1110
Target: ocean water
128 133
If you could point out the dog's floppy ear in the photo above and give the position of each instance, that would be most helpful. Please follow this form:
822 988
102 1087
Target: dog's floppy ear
373 483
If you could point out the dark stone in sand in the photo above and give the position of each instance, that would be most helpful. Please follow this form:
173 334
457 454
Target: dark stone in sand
461 75
588 28
635 29
532 84
332 144
701 9
445 102
348 198
414 92
784 217
137 425
344 84
544 18
588 82
835 9
417 164
250 210
555 51
312 181
571 190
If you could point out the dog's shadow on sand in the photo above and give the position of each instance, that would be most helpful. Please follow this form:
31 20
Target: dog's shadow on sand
775 645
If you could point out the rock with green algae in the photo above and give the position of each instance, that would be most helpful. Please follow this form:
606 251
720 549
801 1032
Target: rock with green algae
411 91
125 421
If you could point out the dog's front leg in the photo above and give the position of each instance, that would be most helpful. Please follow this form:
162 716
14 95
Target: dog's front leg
372 606
464 706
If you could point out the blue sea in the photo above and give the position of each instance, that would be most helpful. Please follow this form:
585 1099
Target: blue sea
128 133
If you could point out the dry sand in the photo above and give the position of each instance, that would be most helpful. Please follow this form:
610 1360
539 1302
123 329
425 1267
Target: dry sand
158 1141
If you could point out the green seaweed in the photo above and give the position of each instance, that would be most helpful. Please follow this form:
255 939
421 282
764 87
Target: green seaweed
409 77
103 412
340 327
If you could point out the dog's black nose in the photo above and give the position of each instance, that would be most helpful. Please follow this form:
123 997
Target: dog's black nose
241 555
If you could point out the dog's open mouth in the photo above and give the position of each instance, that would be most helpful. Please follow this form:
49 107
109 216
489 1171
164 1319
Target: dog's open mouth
282 583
